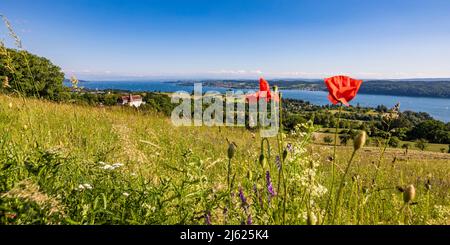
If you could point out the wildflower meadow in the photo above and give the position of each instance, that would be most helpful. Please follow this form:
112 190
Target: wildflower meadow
73 164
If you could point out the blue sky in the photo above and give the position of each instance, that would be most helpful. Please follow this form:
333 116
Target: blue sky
116 39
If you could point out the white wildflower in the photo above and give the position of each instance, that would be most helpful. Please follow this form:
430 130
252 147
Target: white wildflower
312 218
149 207
107 167
82 187
318 190
126 194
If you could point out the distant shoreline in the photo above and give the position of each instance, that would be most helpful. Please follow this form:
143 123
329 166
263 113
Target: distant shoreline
408 88
432 88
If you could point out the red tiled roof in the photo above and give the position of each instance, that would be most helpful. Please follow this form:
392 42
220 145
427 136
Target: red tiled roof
133 97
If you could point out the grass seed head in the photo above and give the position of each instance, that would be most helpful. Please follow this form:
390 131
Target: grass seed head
409 194
231 150
360 140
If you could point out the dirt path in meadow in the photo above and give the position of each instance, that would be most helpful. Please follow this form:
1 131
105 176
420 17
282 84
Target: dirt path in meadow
129 146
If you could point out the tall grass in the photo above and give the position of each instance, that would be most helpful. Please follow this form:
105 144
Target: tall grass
62 173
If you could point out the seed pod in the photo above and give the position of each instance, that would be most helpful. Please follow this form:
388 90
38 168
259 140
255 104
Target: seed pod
231 150
249 175
262 160
409 194
285 153
311 220
428 185
360 140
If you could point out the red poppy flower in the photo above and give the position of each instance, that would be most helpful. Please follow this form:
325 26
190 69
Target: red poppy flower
342 89
264 87
264 92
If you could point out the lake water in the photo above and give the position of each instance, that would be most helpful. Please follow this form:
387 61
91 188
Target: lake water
439 108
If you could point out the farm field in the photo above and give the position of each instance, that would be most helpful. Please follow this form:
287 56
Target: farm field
324 132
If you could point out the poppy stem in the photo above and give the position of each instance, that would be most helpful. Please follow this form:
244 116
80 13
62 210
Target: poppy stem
333 162
341 185
281 174
380 160
229 184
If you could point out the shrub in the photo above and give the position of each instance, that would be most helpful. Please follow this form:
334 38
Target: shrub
344 138
422 144
394 142
327 139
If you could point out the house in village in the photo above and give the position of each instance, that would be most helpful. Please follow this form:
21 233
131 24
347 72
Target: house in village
131 100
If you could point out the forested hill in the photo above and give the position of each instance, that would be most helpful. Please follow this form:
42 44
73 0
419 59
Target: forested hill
410 88
420 88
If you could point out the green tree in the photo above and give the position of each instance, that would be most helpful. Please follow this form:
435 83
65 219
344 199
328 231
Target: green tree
381 108
159 102
31 75
344 138
110 99
431 130
394 142
291 120
422 144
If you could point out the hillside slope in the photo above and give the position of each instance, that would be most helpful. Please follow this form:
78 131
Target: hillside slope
64 163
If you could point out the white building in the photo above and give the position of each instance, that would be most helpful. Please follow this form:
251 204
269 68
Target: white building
131 100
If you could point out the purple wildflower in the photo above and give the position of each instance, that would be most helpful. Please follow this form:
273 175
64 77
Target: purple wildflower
242 197
249 219
269 185
290 147
278 162
208 218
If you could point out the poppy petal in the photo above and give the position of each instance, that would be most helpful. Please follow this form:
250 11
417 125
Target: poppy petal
332 99
342 89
